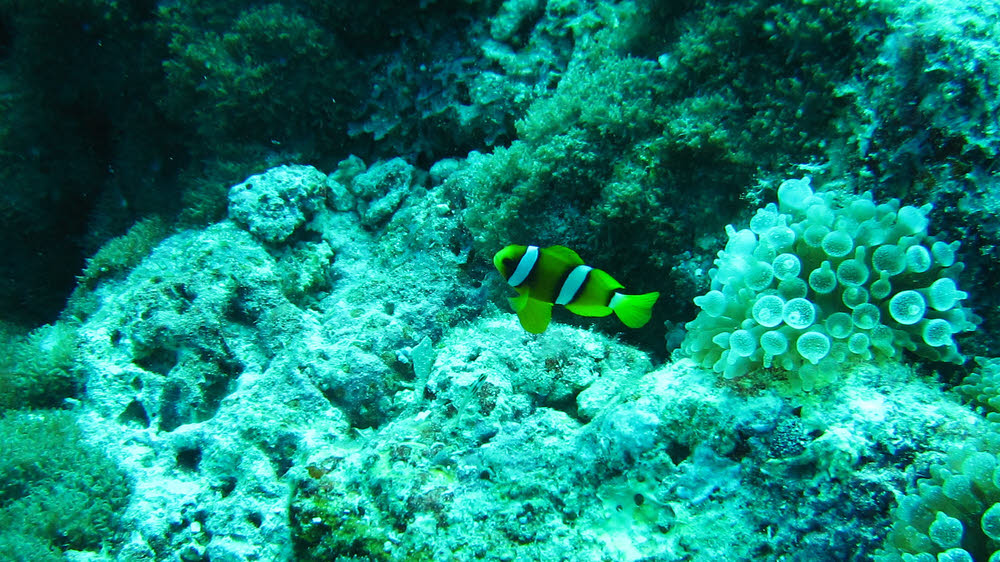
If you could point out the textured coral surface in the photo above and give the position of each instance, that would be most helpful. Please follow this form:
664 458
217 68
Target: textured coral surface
248 310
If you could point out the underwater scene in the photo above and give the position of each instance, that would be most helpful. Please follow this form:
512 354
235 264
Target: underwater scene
499 280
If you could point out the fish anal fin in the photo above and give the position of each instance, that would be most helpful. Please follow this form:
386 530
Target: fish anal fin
593 310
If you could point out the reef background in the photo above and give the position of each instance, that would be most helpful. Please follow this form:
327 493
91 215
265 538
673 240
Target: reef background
249 311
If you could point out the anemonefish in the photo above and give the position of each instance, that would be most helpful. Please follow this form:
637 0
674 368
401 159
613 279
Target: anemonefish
556 275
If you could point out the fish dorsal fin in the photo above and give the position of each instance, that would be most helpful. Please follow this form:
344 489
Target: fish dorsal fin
604 282
565 254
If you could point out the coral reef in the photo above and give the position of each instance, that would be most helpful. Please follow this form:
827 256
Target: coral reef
122 253
639 462
39 370
955 513
58 495
210 349
286 340
273 204
982 387
328 393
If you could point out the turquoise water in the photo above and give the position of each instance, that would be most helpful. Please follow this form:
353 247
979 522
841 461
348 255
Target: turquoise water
256 306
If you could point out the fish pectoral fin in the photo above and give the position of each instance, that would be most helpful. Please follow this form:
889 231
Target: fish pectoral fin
533 313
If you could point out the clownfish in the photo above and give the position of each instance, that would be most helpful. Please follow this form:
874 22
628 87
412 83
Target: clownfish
557 275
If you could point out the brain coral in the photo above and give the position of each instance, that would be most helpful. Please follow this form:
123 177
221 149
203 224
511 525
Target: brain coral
823 277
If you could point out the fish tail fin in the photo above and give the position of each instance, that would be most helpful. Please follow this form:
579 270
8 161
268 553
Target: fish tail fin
634 310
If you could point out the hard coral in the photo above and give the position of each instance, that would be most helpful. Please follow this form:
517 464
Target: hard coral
273 204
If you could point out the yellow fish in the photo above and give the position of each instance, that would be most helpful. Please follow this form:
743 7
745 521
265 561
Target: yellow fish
557 275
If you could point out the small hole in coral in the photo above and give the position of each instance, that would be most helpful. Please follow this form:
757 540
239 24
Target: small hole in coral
188 459
227 486
134 414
